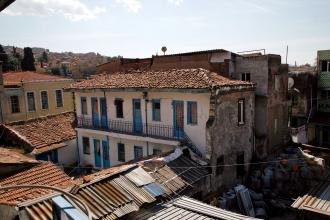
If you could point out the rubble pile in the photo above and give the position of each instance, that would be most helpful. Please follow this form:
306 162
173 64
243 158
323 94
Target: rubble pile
272 185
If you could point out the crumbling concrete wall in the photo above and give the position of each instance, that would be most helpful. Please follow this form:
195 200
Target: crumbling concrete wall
271 100
228 139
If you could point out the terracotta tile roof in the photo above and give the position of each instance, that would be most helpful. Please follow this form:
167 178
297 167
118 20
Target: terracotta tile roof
174 78
47 132
13 78
44 174
12 156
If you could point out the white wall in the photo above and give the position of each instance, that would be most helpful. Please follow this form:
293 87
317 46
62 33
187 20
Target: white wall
195 132
113 141
68 154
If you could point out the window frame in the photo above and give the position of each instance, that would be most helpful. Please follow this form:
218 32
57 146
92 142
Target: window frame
121 156
82 107
246 77
27 101
62 100
241 112
154 112
119 100
189 115
83 145
136 149
11 104
41 103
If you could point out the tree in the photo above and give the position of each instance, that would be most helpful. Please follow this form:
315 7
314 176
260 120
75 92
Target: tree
28 60
45 57
56 71
4 59
164 49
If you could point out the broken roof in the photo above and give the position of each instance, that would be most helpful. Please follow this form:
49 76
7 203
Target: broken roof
164 79
317 200
15 78
46 173
42 134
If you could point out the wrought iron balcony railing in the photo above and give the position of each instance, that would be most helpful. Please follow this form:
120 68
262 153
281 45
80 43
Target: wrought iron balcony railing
145 129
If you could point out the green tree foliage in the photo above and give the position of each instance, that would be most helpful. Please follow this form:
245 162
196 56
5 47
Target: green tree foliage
56 71
28 60
4 59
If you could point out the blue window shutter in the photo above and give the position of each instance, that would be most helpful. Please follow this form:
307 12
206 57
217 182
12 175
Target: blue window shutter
83 103
153 110
188 113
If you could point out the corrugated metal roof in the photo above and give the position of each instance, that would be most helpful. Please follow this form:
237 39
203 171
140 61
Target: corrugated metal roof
317 200
187 208
323 54
154 189
139 195
140 177
40 211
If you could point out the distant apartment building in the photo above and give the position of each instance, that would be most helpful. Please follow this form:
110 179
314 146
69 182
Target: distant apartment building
267 71
30 95
126 116
322 118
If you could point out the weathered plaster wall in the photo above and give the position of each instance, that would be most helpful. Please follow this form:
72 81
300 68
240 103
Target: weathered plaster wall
226 137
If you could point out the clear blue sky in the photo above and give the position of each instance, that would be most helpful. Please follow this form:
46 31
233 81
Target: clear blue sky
139 28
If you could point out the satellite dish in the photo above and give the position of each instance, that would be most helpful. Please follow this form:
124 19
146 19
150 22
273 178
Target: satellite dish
290 82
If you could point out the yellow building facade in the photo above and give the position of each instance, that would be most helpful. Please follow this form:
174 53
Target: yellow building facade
29 95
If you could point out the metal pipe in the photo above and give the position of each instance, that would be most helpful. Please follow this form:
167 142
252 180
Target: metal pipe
80 203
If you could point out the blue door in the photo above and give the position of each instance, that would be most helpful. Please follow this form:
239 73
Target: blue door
95 112
178 118
103 108
137 117
106 156
97 153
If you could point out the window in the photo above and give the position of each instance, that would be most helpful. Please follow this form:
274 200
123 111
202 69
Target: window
59 98
44 99
325 66
156 151
277 83
121 152
14 103
241 112
119 108
106 155
156 110
325 94
220 163
275 126
30 101
83 106
240 171
191 112
86 146
138 152
245 77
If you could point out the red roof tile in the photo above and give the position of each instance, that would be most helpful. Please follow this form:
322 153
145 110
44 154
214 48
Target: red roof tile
13 78
174 78
44 132
46 174
12 156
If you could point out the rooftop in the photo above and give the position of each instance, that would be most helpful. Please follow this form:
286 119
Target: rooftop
174 78
187 208
42 134
317 200
43 174
15 78
13 156
195 52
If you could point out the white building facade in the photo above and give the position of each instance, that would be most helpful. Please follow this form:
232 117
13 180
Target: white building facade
124 117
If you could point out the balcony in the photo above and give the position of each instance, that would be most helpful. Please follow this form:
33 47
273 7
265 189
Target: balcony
323 80
166 132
